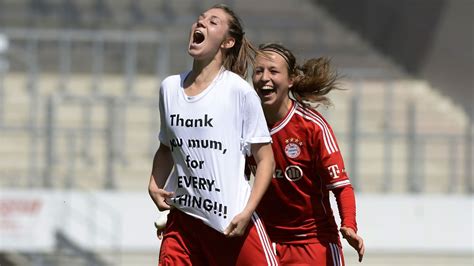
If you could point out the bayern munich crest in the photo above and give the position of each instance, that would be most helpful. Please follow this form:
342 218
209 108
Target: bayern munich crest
292 148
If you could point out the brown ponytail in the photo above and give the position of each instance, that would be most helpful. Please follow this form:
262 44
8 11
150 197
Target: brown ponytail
242 54
315 79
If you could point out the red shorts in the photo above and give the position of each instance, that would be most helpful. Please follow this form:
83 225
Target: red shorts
188 241
328 254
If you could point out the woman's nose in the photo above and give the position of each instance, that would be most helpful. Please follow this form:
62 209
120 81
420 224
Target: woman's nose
265 76
200 23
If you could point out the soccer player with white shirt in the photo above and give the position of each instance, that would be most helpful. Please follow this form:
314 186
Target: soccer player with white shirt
295 209
211 118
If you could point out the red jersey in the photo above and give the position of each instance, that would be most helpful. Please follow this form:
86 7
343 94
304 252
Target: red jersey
296 207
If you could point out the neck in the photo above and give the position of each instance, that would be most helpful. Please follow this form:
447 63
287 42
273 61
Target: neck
275 113
203 72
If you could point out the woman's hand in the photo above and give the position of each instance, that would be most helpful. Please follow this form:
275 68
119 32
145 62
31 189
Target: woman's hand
160 196
354 240
238 225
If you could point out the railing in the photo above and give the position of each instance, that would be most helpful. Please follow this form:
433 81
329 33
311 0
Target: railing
113 132
455 143
86 221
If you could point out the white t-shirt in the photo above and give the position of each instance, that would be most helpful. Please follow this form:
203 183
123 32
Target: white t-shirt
209 135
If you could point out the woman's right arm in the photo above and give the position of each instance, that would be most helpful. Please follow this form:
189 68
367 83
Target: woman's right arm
162 165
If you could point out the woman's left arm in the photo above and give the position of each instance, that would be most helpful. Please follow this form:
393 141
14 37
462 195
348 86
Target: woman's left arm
263 155
347 211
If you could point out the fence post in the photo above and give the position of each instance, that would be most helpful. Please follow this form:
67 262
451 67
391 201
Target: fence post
2 94
71 160
453 163
32 88
354 136
387 137
3 70
110 140
97 63
469 155
412 149
121 106
64 60
49 148
163 57
86 130
130 63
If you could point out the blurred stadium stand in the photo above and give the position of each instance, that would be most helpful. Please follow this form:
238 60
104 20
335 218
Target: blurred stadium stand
79 82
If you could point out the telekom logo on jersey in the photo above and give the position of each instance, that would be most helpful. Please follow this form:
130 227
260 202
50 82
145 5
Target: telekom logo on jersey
334 171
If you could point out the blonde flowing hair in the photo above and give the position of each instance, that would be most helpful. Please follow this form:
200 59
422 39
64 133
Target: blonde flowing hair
312 81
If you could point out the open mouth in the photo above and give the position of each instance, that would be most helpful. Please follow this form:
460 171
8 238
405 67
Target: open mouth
267 88
198 37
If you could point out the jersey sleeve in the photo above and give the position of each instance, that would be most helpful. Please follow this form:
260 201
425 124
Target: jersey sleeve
163 135
346 205
255 129
330 163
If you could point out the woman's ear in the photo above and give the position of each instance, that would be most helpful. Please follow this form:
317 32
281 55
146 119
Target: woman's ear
228 43
291 79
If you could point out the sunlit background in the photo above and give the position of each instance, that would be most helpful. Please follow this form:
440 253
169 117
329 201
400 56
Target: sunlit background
79 82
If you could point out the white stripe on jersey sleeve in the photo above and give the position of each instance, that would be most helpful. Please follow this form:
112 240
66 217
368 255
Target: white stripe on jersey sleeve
326 135
338 184
313 116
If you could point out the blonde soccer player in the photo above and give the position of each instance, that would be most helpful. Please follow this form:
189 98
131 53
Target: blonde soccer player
296 209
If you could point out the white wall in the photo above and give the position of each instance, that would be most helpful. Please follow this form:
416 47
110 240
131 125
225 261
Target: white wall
423 223
111 221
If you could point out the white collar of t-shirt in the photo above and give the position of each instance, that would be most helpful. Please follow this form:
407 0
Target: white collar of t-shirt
195 98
